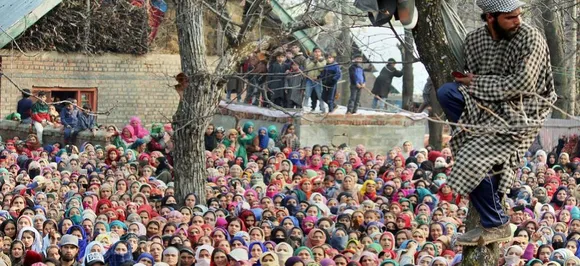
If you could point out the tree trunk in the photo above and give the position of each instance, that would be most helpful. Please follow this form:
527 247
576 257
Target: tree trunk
345 53
198 105
435 54
408 79
572 45
554 31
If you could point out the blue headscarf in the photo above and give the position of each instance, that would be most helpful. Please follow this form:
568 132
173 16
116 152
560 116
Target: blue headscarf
114 259
295 162
292 210
239 238
146 256
264 139
250 251
291 218
339 243
82 242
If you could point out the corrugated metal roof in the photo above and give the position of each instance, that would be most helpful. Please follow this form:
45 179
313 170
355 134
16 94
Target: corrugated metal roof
18 15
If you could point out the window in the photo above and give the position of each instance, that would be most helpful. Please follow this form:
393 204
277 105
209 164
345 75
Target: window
81 95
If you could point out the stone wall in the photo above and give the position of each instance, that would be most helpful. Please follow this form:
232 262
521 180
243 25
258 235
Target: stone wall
11 129
136 85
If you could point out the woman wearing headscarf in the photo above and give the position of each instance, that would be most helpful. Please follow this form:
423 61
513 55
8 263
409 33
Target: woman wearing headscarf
31 239
316 237
368 191
368 259
203 255
163 170
284 251
138 129
559 198
512 255
119 254
256 249
561 255
269 259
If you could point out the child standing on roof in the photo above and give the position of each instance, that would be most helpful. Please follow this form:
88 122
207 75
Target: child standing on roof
357 82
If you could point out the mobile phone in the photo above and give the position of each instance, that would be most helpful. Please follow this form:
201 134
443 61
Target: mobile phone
448 159
458 74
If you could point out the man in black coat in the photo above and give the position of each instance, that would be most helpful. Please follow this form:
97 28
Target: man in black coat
383 85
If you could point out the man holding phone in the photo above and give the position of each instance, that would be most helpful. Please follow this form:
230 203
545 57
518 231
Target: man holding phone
507 92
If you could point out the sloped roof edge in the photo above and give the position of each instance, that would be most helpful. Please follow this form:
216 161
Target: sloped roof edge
21 14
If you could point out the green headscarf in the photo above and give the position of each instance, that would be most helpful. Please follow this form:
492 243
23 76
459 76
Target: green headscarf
392 262
302 248
401 200
375 246
434 247
247 126
273 132
419 222
156 128
299 194
14 117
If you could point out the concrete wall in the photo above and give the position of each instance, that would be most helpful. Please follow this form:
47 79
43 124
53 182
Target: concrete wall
11 129
378 133
226 119
136 85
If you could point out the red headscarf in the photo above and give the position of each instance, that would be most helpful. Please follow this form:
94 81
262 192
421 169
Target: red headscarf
103 202
445 197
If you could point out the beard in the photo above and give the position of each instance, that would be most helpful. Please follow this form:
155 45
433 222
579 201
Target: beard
503 33
66 257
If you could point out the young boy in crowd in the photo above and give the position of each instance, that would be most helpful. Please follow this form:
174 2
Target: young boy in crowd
293 84
357 82
275 81
40 116
329 78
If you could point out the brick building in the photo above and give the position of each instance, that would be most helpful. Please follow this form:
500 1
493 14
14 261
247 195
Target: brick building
132 85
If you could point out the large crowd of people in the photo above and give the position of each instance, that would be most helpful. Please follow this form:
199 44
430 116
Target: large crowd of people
268 201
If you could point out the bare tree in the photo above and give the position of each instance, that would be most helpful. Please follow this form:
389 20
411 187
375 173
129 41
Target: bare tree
202 94
554 31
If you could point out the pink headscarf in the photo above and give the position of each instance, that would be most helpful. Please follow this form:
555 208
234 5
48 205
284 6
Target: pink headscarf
315 167
131 139
140 132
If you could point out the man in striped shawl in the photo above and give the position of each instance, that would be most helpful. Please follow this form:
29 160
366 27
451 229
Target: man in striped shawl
503 101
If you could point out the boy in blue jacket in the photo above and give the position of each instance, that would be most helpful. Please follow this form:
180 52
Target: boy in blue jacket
357 82
329 77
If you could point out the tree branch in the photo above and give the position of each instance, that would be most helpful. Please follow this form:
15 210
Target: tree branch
248 21
307 22
222 15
